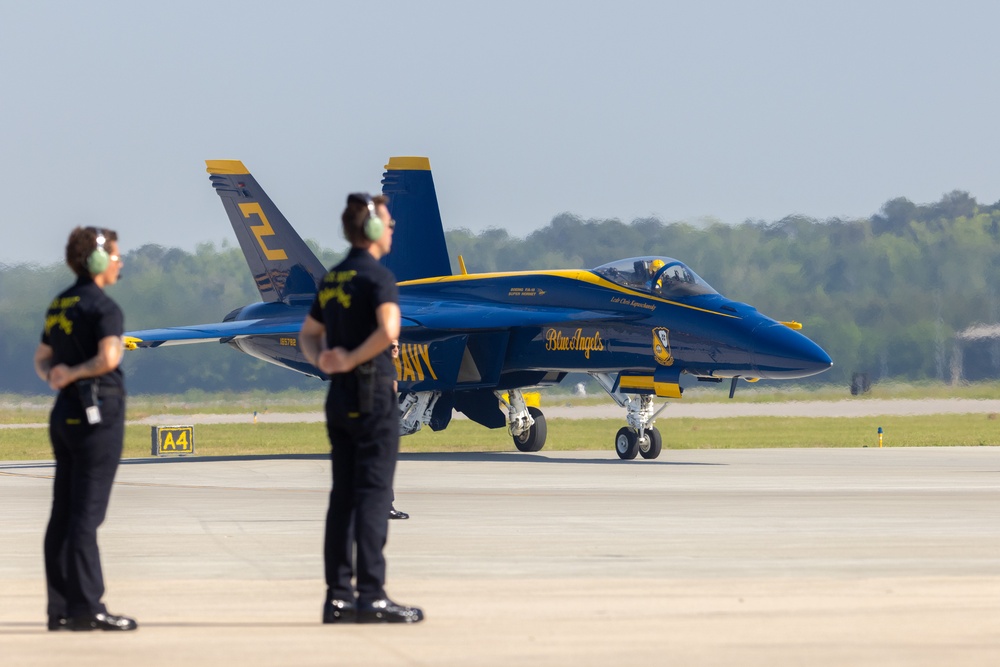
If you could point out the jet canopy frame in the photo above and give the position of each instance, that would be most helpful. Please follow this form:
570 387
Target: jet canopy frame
659 276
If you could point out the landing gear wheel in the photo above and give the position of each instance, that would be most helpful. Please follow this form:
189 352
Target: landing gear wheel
653 445
533 439
626 443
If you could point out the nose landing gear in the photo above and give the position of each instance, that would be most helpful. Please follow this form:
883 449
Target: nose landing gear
628 443
640 437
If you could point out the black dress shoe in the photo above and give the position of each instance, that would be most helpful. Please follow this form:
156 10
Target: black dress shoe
57 623
396 514
101 622
340 611
387 611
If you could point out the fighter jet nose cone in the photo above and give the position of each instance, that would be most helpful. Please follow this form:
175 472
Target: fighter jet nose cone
821 361
781 353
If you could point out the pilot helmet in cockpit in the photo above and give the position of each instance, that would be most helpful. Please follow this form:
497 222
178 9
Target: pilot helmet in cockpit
654 267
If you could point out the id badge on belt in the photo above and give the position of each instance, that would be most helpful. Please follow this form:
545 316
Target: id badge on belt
88 399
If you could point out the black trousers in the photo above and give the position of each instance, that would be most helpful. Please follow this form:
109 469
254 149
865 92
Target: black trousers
87 458
363 452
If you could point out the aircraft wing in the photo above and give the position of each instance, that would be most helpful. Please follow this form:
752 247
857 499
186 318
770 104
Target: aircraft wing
220 331
439 315
459 316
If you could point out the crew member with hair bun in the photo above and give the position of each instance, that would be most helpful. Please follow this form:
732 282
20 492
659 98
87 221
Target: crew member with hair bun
79 356
347 334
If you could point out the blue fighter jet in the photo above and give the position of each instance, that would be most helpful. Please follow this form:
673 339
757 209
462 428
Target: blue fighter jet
474 342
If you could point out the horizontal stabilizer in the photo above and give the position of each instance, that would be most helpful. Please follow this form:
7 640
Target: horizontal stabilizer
220 331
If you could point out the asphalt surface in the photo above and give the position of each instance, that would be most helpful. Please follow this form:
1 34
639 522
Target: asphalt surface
742 557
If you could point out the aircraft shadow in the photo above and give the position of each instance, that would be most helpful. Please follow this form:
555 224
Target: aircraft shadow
484 457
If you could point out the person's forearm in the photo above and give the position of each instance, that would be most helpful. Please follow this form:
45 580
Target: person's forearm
59 376
42 367
93 367
371 347
109 356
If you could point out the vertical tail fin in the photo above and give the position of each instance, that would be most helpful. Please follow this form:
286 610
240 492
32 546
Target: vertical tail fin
418 246
283 266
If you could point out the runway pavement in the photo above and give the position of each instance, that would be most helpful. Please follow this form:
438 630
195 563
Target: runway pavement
743 557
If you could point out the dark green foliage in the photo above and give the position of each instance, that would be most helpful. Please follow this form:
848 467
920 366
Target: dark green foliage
884 295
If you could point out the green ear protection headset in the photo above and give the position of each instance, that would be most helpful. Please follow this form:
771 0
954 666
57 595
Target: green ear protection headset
99 259
373 225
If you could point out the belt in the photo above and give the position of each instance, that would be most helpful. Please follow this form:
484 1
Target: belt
103 390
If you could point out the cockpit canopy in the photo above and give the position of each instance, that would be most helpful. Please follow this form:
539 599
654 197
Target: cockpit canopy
659 276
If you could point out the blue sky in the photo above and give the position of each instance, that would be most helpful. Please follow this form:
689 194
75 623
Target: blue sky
683 111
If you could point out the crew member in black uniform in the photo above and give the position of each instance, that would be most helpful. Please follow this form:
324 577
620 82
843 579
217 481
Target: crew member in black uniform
79 355
346 335
393 512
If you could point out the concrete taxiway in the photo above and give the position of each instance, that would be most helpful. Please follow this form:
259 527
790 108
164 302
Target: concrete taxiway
741 557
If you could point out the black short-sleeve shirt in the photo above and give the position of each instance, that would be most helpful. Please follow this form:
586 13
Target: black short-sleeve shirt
77 320
347 300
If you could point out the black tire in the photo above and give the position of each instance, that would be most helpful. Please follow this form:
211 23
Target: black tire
626 443
533 439
655 444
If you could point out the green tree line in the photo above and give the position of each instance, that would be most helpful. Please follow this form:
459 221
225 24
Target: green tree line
883 295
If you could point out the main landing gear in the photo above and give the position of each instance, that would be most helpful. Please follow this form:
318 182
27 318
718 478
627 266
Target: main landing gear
525 424
415 410
640 436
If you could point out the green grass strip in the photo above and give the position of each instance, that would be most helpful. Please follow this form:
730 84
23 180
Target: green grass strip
29 444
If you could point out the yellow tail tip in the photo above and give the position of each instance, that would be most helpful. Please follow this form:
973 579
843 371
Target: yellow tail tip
409 163
225 167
